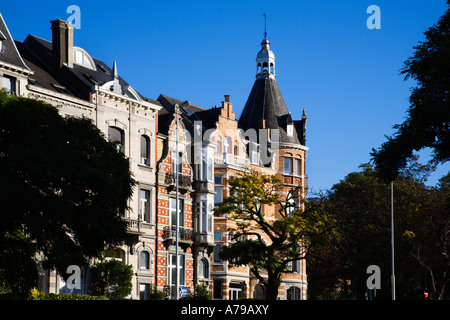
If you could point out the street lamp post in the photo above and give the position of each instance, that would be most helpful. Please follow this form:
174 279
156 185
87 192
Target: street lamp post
177 284
392 240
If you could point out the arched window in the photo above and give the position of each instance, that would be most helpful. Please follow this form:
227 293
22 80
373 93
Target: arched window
144 260
271 68
258 292
81 57
265 67
293 293
117 136
145 150
258 68
203 269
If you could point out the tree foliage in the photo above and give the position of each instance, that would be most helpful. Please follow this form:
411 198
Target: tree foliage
361 206
63 188
273 242
112 279
428 118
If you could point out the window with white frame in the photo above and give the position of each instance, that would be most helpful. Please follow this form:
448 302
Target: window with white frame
145 150
171 272
173 212
227 145
144 205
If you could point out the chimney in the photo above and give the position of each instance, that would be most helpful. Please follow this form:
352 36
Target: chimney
62 39
227 108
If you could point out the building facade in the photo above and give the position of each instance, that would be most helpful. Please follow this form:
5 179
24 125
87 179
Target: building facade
181 155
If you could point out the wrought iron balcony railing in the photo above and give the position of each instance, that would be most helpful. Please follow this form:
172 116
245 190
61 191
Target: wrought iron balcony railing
184 234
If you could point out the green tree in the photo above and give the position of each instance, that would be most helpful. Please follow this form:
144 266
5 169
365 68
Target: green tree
361 206
428 118
63 188
429 240
112 279
273 244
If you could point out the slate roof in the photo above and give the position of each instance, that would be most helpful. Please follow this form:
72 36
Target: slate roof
9 52
77 81
265 102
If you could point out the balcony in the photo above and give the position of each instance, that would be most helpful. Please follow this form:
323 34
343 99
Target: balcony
230 159
134 226
184 182
184 234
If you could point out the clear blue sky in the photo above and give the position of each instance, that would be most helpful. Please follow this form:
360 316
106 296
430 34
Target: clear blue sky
327 60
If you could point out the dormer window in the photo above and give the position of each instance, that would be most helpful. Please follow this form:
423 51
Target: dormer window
290 130
82 58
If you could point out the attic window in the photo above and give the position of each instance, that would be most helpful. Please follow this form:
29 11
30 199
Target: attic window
60 89
290 130
81 57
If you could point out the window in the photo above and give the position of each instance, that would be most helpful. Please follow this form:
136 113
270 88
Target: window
203 269
210 217
290 130
207 167
293 266
287 166
217 289
254 157
226 145
293 293
258 292
176 161
204 216
144 292
81 57
218 246
297 164
145 150
218 197
117 136
144 202
235 291
9 84
173 212
171 274
218 180
144 260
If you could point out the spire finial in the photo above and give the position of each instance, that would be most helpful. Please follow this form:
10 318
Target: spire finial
265 24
